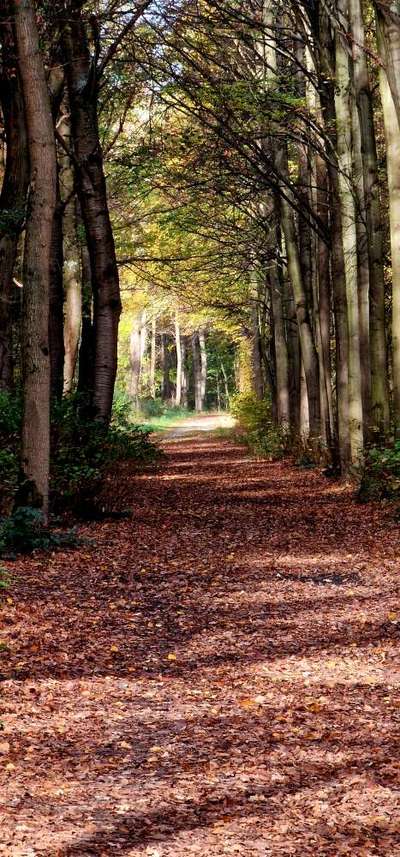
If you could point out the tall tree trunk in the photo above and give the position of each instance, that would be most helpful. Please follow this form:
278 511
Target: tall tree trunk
281 349
255 341
56 318
178 346
392 137
166 386
184 350
35 450
136 354
379 369
197 373
71 271
203 367
91 187
326 65
153 354
387 13
306 336
14 189
349 238
87 343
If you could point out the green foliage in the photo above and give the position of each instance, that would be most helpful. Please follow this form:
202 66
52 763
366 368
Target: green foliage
10 422
149 407
381 474
5 579
23 532
11 220
83 449
253 416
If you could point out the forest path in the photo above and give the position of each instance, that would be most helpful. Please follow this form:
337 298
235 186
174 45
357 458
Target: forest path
217 676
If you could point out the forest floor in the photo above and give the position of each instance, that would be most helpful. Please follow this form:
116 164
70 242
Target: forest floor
218 675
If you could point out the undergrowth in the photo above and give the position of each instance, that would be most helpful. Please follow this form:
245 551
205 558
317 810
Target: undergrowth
256 428
83 450
380 478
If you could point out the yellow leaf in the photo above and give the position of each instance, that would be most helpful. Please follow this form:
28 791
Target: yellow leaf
9 600
392 617
10 766
155 749
247 702
171 657
114 649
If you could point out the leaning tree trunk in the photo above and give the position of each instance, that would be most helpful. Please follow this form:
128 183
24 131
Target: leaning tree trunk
91 188
35 450
14 189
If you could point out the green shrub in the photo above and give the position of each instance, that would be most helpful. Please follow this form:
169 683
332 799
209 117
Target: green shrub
381 474
151 407
83 449
253 416
5 579
23 532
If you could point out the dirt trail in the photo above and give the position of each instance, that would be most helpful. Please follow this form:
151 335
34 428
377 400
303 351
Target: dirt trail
217 676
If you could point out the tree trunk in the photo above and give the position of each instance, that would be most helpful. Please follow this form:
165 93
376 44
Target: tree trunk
203 367
307 344
152 379
197 373
281 350
178 345
166 386
13 192
392 137
91 187
387 13
349 238
87 343
71 271
379 416
56 319
184 393
35 451
136 352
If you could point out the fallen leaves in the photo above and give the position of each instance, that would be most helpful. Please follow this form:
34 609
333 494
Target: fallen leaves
218 675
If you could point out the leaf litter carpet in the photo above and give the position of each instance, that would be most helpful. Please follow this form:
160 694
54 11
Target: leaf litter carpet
218 675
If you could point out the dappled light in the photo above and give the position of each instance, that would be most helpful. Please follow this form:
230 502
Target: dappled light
230 686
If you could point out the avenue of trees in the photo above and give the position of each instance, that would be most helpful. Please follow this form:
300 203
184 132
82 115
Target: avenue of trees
233 169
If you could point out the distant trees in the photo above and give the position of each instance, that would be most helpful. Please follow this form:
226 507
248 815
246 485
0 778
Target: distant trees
278 174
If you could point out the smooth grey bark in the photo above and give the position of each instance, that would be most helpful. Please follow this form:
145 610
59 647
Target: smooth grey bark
178 349
392 138
379 416
349 238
